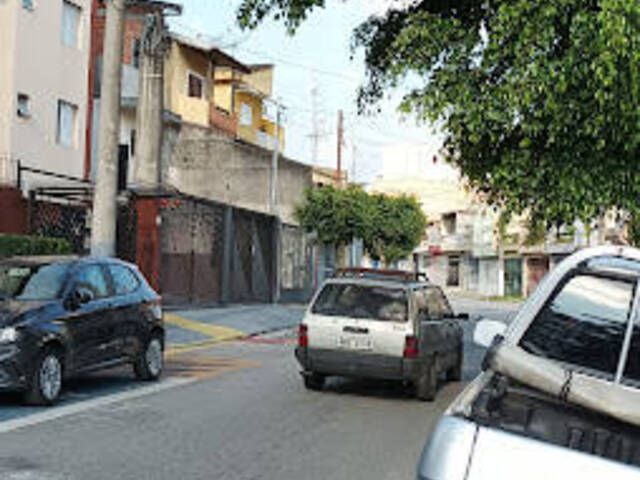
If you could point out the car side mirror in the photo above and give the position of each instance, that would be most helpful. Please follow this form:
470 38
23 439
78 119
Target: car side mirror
78 297
486 331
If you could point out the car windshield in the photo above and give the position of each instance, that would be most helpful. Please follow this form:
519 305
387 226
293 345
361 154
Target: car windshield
361 301
32 282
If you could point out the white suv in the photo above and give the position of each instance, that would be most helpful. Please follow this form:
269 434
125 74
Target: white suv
378 324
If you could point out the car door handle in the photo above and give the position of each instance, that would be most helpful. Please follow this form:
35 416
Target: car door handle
358 330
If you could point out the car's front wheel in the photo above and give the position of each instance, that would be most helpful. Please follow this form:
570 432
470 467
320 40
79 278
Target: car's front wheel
46 382
314 381
150 363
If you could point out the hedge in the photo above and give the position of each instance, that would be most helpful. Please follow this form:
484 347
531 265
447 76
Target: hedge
11 245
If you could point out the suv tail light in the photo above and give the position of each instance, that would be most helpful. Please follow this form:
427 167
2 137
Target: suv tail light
410 347
303 337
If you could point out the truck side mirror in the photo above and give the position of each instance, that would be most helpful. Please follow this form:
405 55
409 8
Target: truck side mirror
486 331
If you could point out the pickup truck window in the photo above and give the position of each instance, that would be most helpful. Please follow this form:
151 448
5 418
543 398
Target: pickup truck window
584 324
431 304
361 301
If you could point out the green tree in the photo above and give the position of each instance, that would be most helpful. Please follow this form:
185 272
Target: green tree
538 99
390 227
397 227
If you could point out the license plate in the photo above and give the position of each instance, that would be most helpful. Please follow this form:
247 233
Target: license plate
355 343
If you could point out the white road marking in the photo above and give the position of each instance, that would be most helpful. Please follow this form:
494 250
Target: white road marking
54 413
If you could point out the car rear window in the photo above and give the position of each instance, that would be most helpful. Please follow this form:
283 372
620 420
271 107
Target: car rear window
361 301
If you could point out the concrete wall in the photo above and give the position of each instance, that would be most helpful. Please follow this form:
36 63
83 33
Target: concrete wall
205 163
49 71
8 12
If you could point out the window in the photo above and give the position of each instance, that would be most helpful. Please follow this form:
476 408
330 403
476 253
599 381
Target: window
70 24
23 105
92 278
28 4
359 301
124 280
135 54
66 129
195 85
584 324
246 114
431 304
132 143
449 223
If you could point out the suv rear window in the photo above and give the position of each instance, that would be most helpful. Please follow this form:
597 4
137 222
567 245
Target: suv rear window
361 301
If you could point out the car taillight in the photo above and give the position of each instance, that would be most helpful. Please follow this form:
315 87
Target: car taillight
410 347
303 337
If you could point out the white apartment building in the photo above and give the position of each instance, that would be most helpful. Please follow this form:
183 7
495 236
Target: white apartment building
44 54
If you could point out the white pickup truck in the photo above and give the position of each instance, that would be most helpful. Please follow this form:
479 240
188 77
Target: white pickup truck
559 397
383 325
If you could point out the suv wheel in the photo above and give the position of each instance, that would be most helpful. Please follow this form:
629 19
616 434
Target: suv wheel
427 384
314 381
149 364
46 382
455 372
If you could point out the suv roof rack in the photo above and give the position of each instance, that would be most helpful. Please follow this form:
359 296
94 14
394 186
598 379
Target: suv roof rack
391 275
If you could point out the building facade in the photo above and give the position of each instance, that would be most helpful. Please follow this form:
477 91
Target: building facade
43 94
465 246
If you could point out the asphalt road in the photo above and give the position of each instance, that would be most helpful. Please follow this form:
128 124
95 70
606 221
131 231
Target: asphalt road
232 411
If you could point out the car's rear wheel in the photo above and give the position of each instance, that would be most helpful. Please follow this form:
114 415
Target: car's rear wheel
455 372
150 363
427 384
314 381
46 382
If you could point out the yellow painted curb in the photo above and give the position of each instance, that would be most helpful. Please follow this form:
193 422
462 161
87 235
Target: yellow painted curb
217 333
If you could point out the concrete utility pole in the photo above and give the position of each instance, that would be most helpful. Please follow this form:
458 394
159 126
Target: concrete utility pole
340 139
151 104
104 215
273 208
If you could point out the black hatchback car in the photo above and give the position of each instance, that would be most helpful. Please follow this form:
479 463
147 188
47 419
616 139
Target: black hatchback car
62 316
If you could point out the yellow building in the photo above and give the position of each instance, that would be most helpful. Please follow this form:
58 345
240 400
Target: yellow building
204 86
247 97
188 84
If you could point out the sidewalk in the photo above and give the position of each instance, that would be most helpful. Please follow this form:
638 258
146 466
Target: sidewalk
201 327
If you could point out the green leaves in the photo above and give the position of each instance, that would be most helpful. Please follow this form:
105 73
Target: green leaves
539 99
390 227
11 245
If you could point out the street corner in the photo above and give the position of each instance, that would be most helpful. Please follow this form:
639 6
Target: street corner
185 334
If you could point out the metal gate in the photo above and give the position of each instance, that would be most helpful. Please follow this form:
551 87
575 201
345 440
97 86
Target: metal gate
513 277
191 239
61 213
252 257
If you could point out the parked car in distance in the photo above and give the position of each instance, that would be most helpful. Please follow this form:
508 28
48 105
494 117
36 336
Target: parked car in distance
60 316
560 392
381 325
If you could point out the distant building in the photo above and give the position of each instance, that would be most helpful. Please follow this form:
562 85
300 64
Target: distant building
461 245
43 92
329 176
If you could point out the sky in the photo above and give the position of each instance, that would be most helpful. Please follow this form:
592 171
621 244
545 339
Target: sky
317 56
